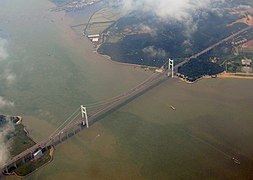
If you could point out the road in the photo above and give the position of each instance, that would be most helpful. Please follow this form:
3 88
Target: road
220 42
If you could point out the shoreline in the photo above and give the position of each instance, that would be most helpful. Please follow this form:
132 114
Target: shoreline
79 40
74 35
235 75
126 64
51 154
220 76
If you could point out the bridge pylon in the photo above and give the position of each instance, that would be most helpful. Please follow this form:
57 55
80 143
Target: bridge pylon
171 67
84 116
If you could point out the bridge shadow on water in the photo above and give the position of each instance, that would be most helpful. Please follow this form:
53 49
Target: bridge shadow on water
76 128
69 134
125 102
79 127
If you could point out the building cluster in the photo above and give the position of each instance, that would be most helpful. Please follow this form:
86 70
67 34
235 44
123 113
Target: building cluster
246 65
246 62
239 41
94 38
213 59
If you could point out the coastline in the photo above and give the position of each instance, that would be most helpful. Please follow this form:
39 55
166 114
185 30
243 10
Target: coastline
51 155
80 39
235 75
126 64
77 40
105 59
223 75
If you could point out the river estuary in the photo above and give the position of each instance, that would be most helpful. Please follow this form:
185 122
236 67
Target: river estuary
47 71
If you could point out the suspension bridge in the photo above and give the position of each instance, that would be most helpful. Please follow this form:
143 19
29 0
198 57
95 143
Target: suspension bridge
81 119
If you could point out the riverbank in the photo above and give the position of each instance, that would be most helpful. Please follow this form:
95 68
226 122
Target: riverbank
128 64
14 134
31 167
134 142
235 75
221 75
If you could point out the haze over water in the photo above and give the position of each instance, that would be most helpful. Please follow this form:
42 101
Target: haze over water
53 70
49 72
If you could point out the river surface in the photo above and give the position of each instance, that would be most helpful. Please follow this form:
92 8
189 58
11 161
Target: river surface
47 71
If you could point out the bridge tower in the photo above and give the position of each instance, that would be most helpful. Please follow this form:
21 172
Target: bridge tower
171 66
84 115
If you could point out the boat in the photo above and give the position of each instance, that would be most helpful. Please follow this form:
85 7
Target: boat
236 161
172 107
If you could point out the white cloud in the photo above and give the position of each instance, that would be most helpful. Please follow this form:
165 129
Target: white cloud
5 146
153 52
3 52
9 77
179 10
5 103
147 29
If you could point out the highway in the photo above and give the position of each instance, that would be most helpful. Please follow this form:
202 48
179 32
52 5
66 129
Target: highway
141 88
220 42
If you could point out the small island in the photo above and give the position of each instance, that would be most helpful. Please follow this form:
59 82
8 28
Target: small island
18 140
17 135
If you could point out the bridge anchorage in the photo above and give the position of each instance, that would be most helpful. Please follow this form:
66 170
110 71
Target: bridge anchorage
171 67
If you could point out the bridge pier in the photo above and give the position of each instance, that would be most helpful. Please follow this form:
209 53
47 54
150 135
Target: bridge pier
10 168
6 170
54 142
84 115
15 165
171 67
78 129
23 160
67 134
59 137
29 157
75 131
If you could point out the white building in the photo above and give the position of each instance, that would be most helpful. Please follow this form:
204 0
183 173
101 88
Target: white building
246 62
37 154
93 36
94 39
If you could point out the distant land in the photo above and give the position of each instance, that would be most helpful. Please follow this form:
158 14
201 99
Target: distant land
145 39
17 140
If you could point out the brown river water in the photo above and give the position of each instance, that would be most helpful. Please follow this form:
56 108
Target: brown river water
52 70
